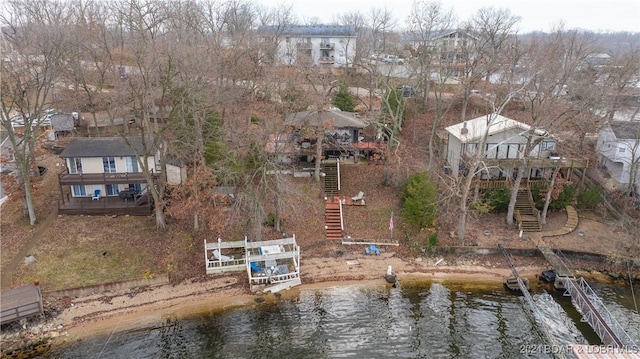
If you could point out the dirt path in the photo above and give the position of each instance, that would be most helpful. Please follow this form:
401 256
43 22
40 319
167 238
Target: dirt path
7 271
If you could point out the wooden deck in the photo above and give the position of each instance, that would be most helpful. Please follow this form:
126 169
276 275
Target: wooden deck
271 265
536 162
69 179
19 303
232 256
107 206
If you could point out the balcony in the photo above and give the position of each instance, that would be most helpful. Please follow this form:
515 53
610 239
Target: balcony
326 60
142 206
69 179
304 46
327 46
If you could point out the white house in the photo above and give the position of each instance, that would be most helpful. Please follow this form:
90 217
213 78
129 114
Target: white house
314 45
101 168
449 48
506 139
618 146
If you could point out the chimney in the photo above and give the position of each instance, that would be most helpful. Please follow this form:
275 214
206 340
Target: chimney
464 130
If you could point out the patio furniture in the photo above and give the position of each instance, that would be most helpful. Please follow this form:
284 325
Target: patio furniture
96 194
127 194
220 257
359 197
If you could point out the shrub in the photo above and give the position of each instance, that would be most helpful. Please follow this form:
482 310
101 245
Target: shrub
343 99
482 206
498 198
565 198
590 197
419 207
433 239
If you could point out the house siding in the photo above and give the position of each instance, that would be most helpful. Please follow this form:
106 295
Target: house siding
504 145
94 165
619 164
332 46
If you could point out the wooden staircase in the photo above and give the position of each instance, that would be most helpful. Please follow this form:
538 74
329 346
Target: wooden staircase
331 171
333 218
527 215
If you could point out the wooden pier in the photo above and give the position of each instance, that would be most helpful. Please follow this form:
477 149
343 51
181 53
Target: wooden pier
19 303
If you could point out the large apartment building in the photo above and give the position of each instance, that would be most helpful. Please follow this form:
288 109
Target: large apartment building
315 45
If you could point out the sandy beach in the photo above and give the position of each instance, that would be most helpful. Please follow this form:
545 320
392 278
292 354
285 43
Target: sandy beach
110 312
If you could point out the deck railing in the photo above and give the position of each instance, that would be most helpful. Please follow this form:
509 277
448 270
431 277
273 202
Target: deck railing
66 178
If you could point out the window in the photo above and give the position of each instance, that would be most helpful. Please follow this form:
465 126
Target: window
548 145
131 164
75 165
109 164
621 150
78 191
111 189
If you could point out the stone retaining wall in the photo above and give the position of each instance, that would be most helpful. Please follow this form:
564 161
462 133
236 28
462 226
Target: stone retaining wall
110 287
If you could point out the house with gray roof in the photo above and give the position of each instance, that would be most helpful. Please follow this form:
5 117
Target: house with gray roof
504 149
104 175
618 148
342 133
313 45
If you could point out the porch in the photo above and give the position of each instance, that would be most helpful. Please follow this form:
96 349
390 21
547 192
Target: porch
142 206
69 179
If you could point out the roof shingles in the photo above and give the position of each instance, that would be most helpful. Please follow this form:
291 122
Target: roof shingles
103 147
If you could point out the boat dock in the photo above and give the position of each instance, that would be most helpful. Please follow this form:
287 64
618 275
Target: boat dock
271 265
587 303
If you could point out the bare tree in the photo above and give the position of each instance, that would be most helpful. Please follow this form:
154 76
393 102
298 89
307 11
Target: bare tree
382 24
492 29
473 166
35 38
427 21
619 76
359 23
552 64
146 27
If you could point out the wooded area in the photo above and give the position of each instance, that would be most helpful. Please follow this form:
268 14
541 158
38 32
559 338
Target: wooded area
200 83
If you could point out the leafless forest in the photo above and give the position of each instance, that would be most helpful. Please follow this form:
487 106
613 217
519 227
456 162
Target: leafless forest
199 81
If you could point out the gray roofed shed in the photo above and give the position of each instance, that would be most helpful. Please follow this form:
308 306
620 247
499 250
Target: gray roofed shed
62 122
102 147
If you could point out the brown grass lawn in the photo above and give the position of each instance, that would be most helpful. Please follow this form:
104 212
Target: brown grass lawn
77 251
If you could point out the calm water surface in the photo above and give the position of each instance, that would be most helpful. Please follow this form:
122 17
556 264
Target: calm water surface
414 321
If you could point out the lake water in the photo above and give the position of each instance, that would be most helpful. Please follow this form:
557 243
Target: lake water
420 320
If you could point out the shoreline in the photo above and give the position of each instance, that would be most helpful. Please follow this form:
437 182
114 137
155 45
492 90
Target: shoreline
93 317
146 307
